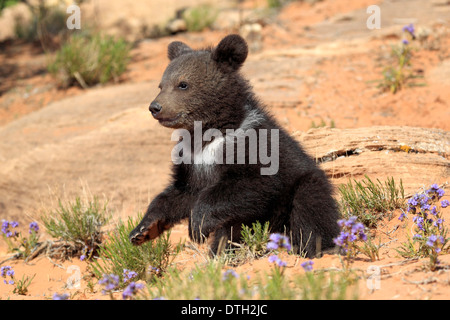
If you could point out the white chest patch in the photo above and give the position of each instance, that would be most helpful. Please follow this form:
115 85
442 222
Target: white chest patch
211 153
205 157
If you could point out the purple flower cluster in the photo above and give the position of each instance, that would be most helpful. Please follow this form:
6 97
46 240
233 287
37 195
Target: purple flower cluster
307 265
274 259
435 242
33 227
422 205
229 274
429 224
131 290
7 271
351 231
278 241
58 296
410 29
110 281
128 275
424 201
6 225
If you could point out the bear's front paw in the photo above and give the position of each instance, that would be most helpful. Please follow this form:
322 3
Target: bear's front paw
147 231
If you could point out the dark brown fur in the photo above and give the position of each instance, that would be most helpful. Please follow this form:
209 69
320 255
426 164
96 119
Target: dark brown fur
206 85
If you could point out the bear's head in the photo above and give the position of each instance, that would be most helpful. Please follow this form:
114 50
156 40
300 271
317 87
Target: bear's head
203 85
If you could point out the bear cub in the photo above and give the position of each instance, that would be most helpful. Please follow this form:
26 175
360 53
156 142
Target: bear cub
244 168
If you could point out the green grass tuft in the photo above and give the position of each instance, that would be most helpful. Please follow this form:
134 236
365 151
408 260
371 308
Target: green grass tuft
211 281
371 201
148 260
89 60
199 18
78 222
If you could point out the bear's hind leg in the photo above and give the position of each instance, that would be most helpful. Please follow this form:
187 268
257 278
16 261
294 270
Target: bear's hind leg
314 215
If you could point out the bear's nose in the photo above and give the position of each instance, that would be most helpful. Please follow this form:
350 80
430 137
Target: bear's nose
155 108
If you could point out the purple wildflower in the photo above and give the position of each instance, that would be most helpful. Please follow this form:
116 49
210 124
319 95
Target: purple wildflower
413 201
7 271
278 241
6 228
434 186
435 191
419 222
33 227
110 281
434 241
410 29
445 203
434 211
351 232
281 263
131 290
307 265
272 245
229 274
274 259
128 275
438 223
58 296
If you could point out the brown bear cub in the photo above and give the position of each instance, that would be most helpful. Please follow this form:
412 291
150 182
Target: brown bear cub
233 164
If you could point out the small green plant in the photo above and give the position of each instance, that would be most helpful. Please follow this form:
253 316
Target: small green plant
370 201
252 246
18 243
78 223
398 76
199 18
322 124
90 60
20 286
370 249
430 238
256 237
148 261
326 285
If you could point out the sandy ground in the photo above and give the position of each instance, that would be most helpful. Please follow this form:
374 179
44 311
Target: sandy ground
318 63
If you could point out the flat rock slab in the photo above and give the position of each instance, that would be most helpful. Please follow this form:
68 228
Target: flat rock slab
418 156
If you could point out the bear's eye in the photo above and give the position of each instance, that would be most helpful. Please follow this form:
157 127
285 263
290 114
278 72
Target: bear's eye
183 85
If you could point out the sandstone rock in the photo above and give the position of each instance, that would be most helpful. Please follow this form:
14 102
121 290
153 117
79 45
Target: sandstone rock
418 156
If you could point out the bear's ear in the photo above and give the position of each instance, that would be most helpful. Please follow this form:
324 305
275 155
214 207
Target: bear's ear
177 49
231 52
